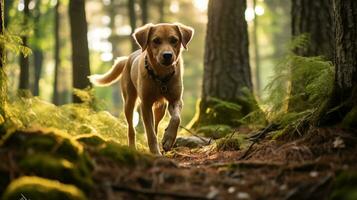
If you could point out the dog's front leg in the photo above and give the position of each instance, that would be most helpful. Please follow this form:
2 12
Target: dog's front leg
147 115
170 134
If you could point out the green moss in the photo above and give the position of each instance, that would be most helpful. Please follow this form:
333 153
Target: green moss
91 139
45 140
350 120
215 131
49 166
345 186
40 188
228 144
124 155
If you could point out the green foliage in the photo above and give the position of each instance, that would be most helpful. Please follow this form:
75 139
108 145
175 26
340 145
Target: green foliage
32 187
215 131
72 119
14 43
312 79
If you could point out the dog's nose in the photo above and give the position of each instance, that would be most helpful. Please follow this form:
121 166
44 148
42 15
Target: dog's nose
167 55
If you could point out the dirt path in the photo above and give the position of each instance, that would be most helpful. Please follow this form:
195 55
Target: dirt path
299 169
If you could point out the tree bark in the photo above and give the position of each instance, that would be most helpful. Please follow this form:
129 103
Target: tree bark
37 51
3 88
132 19
144 11
226 64
343 103
80 51
24 60
55 97
315 19
8 5
38 61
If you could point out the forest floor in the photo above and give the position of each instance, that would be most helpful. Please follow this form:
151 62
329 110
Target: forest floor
299 168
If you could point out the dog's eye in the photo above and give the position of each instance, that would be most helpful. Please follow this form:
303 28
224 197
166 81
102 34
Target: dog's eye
156 41
173 40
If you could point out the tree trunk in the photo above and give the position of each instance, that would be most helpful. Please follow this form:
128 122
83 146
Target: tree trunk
3 90
37 51
343 103
80 51
256 51
144 11
162 11
55 97
132 19
38 60
24 60
227 73
8 5
315 19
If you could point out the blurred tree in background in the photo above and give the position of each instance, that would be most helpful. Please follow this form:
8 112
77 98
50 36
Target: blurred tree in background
80 51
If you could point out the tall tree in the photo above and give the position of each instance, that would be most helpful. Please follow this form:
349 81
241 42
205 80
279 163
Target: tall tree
80 51
2 65
315 19
161 10
144 11
132 19
37 50
55 97
227 74
256 51
343 102
24 60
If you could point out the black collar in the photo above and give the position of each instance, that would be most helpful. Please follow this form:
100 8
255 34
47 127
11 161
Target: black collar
161 80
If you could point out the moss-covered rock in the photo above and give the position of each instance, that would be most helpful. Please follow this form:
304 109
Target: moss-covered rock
125 155
50 154
228 144
52 167
45 140
91 139
345 186
215 131
39 188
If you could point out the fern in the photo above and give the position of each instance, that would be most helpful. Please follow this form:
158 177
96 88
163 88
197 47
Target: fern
313 79
14 43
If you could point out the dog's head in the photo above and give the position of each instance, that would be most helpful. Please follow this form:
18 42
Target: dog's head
163 42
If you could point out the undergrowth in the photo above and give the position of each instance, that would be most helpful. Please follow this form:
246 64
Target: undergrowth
74 119
313 76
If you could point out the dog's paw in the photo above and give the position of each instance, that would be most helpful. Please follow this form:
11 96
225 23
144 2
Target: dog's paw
167 142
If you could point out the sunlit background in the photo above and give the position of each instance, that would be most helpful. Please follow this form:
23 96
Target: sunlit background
109 33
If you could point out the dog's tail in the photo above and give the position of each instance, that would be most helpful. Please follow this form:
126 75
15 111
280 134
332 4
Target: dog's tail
111 76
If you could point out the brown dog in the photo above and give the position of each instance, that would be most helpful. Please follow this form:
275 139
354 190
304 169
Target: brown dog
153 74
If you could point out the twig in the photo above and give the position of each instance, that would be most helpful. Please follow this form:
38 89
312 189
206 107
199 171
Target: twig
149 192
256 137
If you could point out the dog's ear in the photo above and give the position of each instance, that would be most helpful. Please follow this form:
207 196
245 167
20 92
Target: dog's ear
186 34
141 35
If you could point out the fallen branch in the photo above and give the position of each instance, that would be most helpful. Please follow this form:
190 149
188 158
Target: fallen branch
194 134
